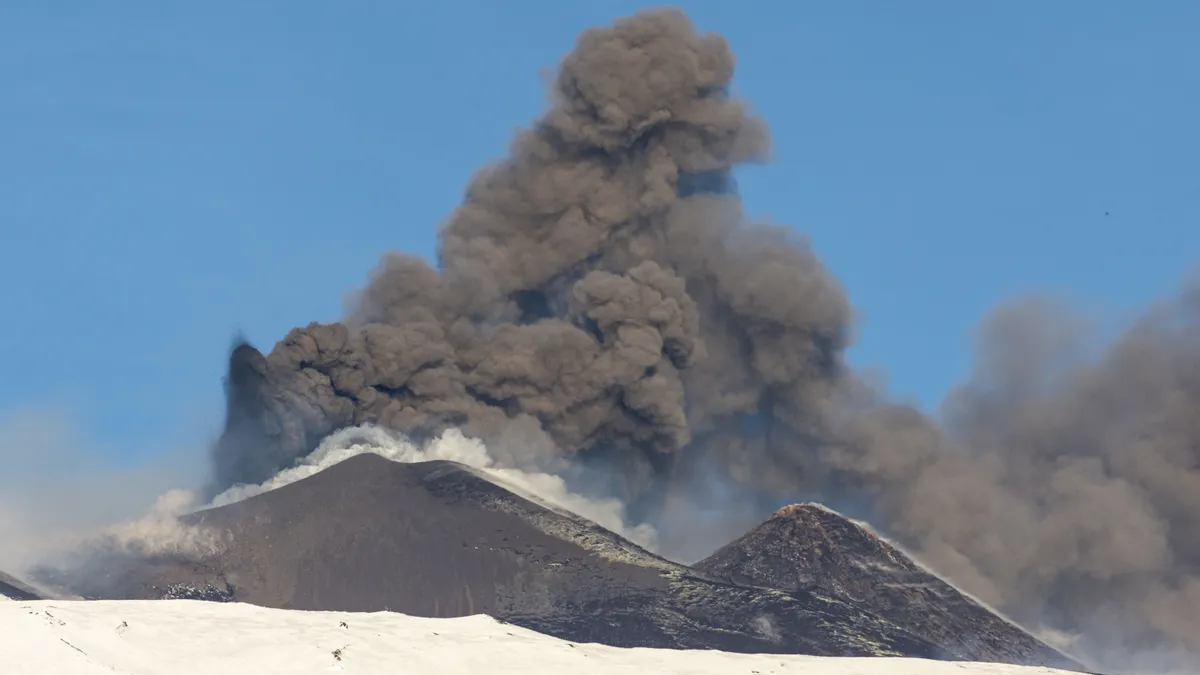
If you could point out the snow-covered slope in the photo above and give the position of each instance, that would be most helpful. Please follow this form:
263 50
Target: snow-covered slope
181 637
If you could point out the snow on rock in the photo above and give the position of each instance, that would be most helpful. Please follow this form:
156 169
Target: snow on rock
184 637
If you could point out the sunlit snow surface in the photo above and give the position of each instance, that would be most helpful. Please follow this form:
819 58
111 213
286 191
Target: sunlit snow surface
181 637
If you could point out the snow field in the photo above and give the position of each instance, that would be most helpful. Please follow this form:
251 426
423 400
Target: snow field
182 637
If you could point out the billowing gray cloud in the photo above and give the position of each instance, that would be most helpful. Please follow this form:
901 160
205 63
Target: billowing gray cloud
600 297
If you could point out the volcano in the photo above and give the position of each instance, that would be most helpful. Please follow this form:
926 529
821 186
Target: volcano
810 548
13 589
439 539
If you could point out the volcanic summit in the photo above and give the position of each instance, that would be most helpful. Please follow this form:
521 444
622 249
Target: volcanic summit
601 306
441 539
810 548
600 298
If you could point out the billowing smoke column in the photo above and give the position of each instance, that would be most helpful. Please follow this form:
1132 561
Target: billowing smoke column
601 303
597 292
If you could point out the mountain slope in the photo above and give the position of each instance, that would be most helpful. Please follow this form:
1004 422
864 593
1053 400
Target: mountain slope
809 548
13 589
437 539
190 638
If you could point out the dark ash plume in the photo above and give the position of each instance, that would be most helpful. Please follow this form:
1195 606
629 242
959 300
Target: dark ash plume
574 286
1061 488
599 296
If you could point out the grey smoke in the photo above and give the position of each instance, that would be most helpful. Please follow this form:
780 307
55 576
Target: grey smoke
58 491
1061 489
574 286
601 299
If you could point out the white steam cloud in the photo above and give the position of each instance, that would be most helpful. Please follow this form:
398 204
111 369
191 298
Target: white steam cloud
61 524
160 532
544 488
60 490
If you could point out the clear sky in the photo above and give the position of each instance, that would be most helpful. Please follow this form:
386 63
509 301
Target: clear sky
173 172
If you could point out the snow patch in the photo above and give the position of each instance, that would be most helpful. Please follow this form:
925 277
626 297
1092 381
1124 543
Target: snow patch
183 637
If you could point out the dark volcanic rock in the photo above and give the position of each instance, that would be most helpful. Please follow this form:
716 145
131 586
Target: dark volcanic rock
437 539
208 592
13 589
807 548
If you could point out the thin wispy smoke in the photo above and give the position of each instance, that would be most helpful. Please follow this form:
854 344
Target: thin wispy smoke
547 489
600 300
57 490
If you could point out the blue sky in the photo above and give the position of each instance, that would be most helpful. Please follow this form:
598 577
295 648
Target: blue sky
172 172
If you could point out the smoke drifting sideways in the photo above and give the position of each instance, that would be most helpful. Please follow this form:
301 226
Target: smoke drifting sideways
63 500
1063 485
603 310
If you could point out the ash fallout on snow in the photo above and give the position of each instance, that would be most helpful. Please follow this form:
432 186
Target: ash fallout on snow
601 307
